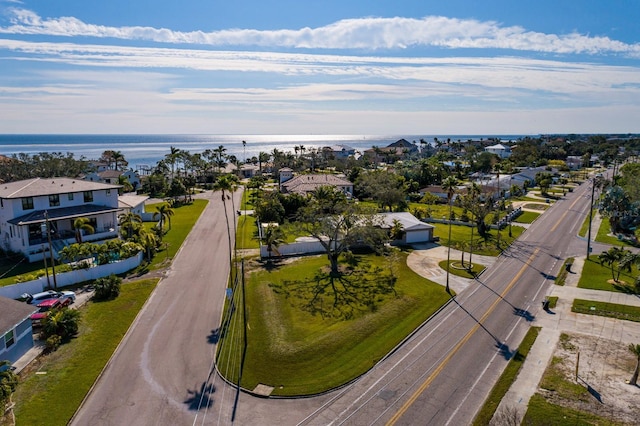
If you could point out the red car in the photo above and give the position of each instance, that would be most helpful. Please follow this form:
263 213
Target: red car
45 307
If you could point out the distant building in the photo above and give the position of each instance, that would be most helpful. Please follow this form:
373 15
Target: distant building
285 174
305 184
16 333
414 230
113 176
500 150
339 152
395 151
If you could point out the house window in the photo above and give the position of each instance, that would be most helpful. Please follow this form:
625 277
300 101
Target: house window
54 200
70 196
27 203
9 339
88 196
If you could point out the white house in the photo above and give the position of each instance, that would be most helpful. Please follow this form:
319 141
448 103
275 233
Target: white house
130 203
29 207
113 176
305 184
500 150
340 152
415 231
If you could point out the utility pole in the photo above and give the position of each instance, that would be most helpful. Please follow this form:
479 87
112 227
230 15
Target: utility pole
53 259
593 191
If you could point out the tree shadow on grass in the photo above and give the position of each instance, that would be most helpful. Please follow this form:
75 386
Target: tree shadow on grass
626 288
344 296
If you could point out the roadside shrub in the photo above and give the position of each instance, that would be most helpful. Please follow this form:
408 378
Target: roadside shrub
61 322
107 288
53 343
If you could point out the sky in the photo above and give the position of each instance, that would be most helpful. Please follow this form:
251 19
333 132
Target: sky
369 67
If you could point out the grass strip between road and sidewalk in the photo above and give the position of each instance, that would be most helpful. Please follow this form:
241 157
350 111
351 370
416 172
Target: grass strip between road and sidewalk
507 378
54 386
605 309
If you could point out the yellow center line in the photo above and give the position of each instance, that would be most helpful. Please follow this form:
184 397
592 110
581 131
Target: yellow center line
564 214
457 347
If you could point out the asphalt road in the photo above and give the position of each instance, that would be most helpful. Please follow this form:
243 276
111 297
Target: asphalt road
161 373
440 376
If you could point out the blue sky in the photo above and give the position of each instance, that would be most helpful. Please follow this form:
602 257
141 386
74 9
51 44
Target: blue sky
321 67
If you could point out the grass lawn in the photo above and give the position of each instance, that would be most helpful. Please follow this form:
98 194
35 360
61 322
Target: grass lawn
604 309
506 379
457 268
562 275
183 219
73 368
11 267
460 236
603 235
527 217
247 228
540 412
304 337
596 277
584 229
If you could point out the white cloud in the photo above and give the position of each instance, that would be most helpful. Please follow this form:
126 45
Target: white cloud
454 75
362 33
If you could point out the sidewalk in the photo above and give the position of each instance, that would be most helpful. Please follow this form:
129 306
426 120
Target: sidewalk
424 261
560 320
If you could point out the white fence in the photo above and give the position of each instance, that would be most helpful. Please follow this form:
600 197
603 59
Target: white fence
292 249
76 276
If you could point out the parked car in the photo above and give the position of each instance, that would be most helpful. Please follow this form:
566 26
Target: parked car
44 308
35 299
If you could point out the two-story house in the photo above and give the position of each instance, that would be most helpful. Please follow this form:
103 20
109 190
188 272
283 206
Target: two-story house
34 209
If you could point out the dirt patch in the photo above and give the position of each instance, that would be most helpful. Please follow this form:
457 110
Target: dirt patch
604 368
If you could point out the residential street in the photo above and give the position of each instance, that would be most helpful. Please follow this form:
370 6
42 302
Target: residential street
441 375
162 371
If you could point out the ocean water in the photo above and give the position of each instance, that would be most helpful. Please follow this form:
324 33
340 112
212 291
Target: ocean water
147 150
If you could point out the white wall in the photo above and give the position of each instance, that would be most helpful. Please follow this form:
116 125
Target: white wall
72 277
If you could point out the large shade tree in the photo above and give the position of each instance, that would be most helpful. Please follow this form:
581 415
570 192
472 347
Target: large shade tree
340 225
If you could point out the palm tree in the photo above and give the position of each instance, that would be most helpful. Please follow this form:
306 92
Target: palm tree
449 185
611 258
164 211
224 184
149 241
263 157
118 159
80 225
172 158
273 236
126 185
397 230
130 224
635 349
220 156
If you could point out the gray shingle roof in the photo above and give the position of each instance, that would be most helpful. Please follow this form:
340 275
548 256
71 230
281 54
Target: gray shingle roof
49 186
13 313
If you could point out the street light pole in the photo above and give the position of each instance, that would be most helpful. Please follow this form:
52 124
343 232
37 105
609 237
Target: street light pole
593 190
53 260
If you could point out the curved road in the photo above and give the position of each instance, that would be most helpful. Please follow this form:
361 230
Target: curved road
161 372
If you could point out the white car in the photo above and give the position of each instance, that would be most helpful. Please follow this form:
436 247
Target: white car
35 299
